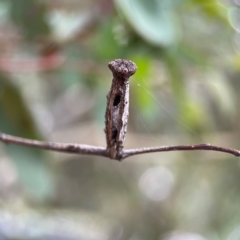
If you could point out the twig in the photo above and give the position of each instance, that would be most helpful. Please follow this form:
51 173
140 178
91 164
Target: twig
100 151
59 147
116 125
205 146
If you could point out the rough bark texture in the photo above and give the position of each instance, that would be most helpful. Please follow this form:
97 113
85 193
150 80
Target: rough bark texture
116 117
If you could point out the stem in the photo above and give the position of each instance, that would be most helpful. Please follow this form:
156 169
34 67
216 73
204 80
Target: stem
100 151
60 147
204 146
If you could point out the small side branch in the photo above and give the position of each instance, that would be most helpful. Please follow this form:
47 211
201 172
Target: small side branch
60 147
132 152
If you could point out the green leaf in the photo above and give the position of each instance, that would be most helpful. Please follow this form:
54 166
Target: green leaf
153 20
15 119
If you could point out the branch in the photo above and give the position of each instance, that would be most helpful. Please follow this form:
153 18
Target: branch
59 147
205 146
116 119
100 151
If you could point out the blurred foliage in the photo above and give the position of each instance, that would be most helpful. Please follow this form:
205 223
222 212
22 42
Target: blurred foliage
53 83
17 120
30 17
212 9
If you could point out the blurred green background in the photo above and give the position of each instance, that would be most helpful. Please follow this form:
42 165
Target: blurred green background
53 85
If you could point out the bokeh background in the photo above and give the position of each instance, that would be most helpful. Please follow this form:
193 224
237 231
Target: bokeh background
53 85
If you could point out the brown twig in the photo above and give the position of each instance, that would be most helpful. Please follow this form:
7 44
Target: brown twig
205 146
100 151
59 147
116 125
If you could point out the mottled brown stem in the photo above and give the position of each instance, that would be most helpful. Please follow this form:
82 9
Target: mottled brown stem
116 117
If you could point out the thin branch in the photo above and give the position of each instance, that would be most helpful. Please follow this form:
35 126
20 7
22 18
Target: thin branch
136 151
60 147
100 151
